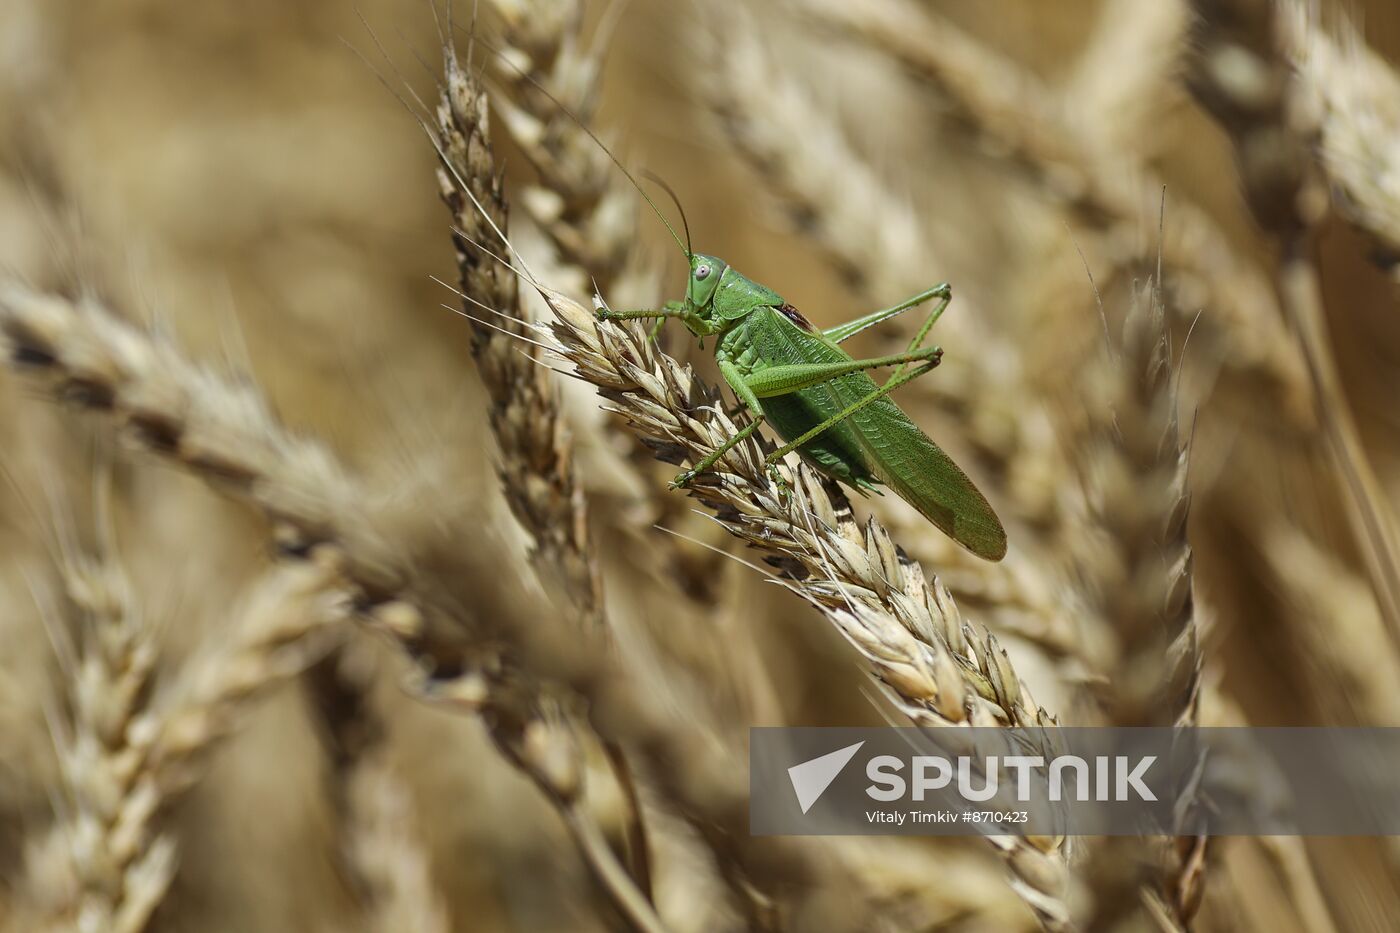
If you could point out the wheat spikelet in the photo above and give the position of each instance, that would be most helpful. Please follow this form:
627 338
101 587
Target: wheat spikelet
103 866
935 668
582 202
1357 96
537 470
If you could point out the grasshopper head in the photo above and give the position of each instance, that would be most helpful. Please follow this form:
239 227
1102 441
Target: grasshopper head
705 273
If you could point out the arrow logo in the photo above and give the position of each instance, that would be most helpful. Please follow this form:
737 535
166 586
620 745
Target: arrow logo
811 778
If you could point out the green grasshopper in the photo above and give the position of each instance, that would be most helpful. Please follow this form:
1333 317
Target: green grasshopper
822 401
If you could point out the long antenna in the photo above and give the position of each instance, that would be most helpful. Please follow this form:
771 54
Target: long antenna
591 135
685 224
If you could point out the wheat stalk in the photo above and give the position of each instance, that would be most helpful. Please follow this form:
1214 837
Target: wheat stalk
1338 622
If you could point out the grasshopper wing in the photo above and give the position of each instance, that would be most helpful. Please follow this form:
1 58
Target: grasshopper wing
877 441
910 463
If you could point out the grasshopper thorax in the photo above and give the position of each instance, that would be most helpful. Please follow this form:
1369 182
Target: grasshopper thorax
719 296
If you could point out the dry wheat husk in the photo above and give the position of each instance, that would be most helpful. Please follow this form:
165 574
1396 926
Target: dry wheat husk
132 747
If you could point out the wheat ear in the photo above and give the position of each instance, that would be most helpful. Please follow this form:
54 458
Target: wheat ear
103 865
388 854
131 755
289 618
1136 573
582 202
383 853
537 471
937 669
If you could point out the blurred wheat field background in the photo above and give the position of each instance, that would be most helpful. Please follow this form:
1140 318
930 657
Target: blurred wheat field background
329 608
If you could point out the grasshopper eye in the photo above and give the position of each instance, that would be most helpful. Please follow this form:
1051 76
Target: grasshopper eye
702 272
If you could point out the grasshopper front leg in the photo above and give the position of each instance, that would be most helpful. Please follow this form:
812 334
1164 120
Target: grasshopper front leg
671 309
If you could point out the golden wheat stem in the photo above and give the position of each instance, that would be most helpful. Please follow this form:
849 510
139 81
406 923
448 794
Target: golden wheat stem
1337 621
